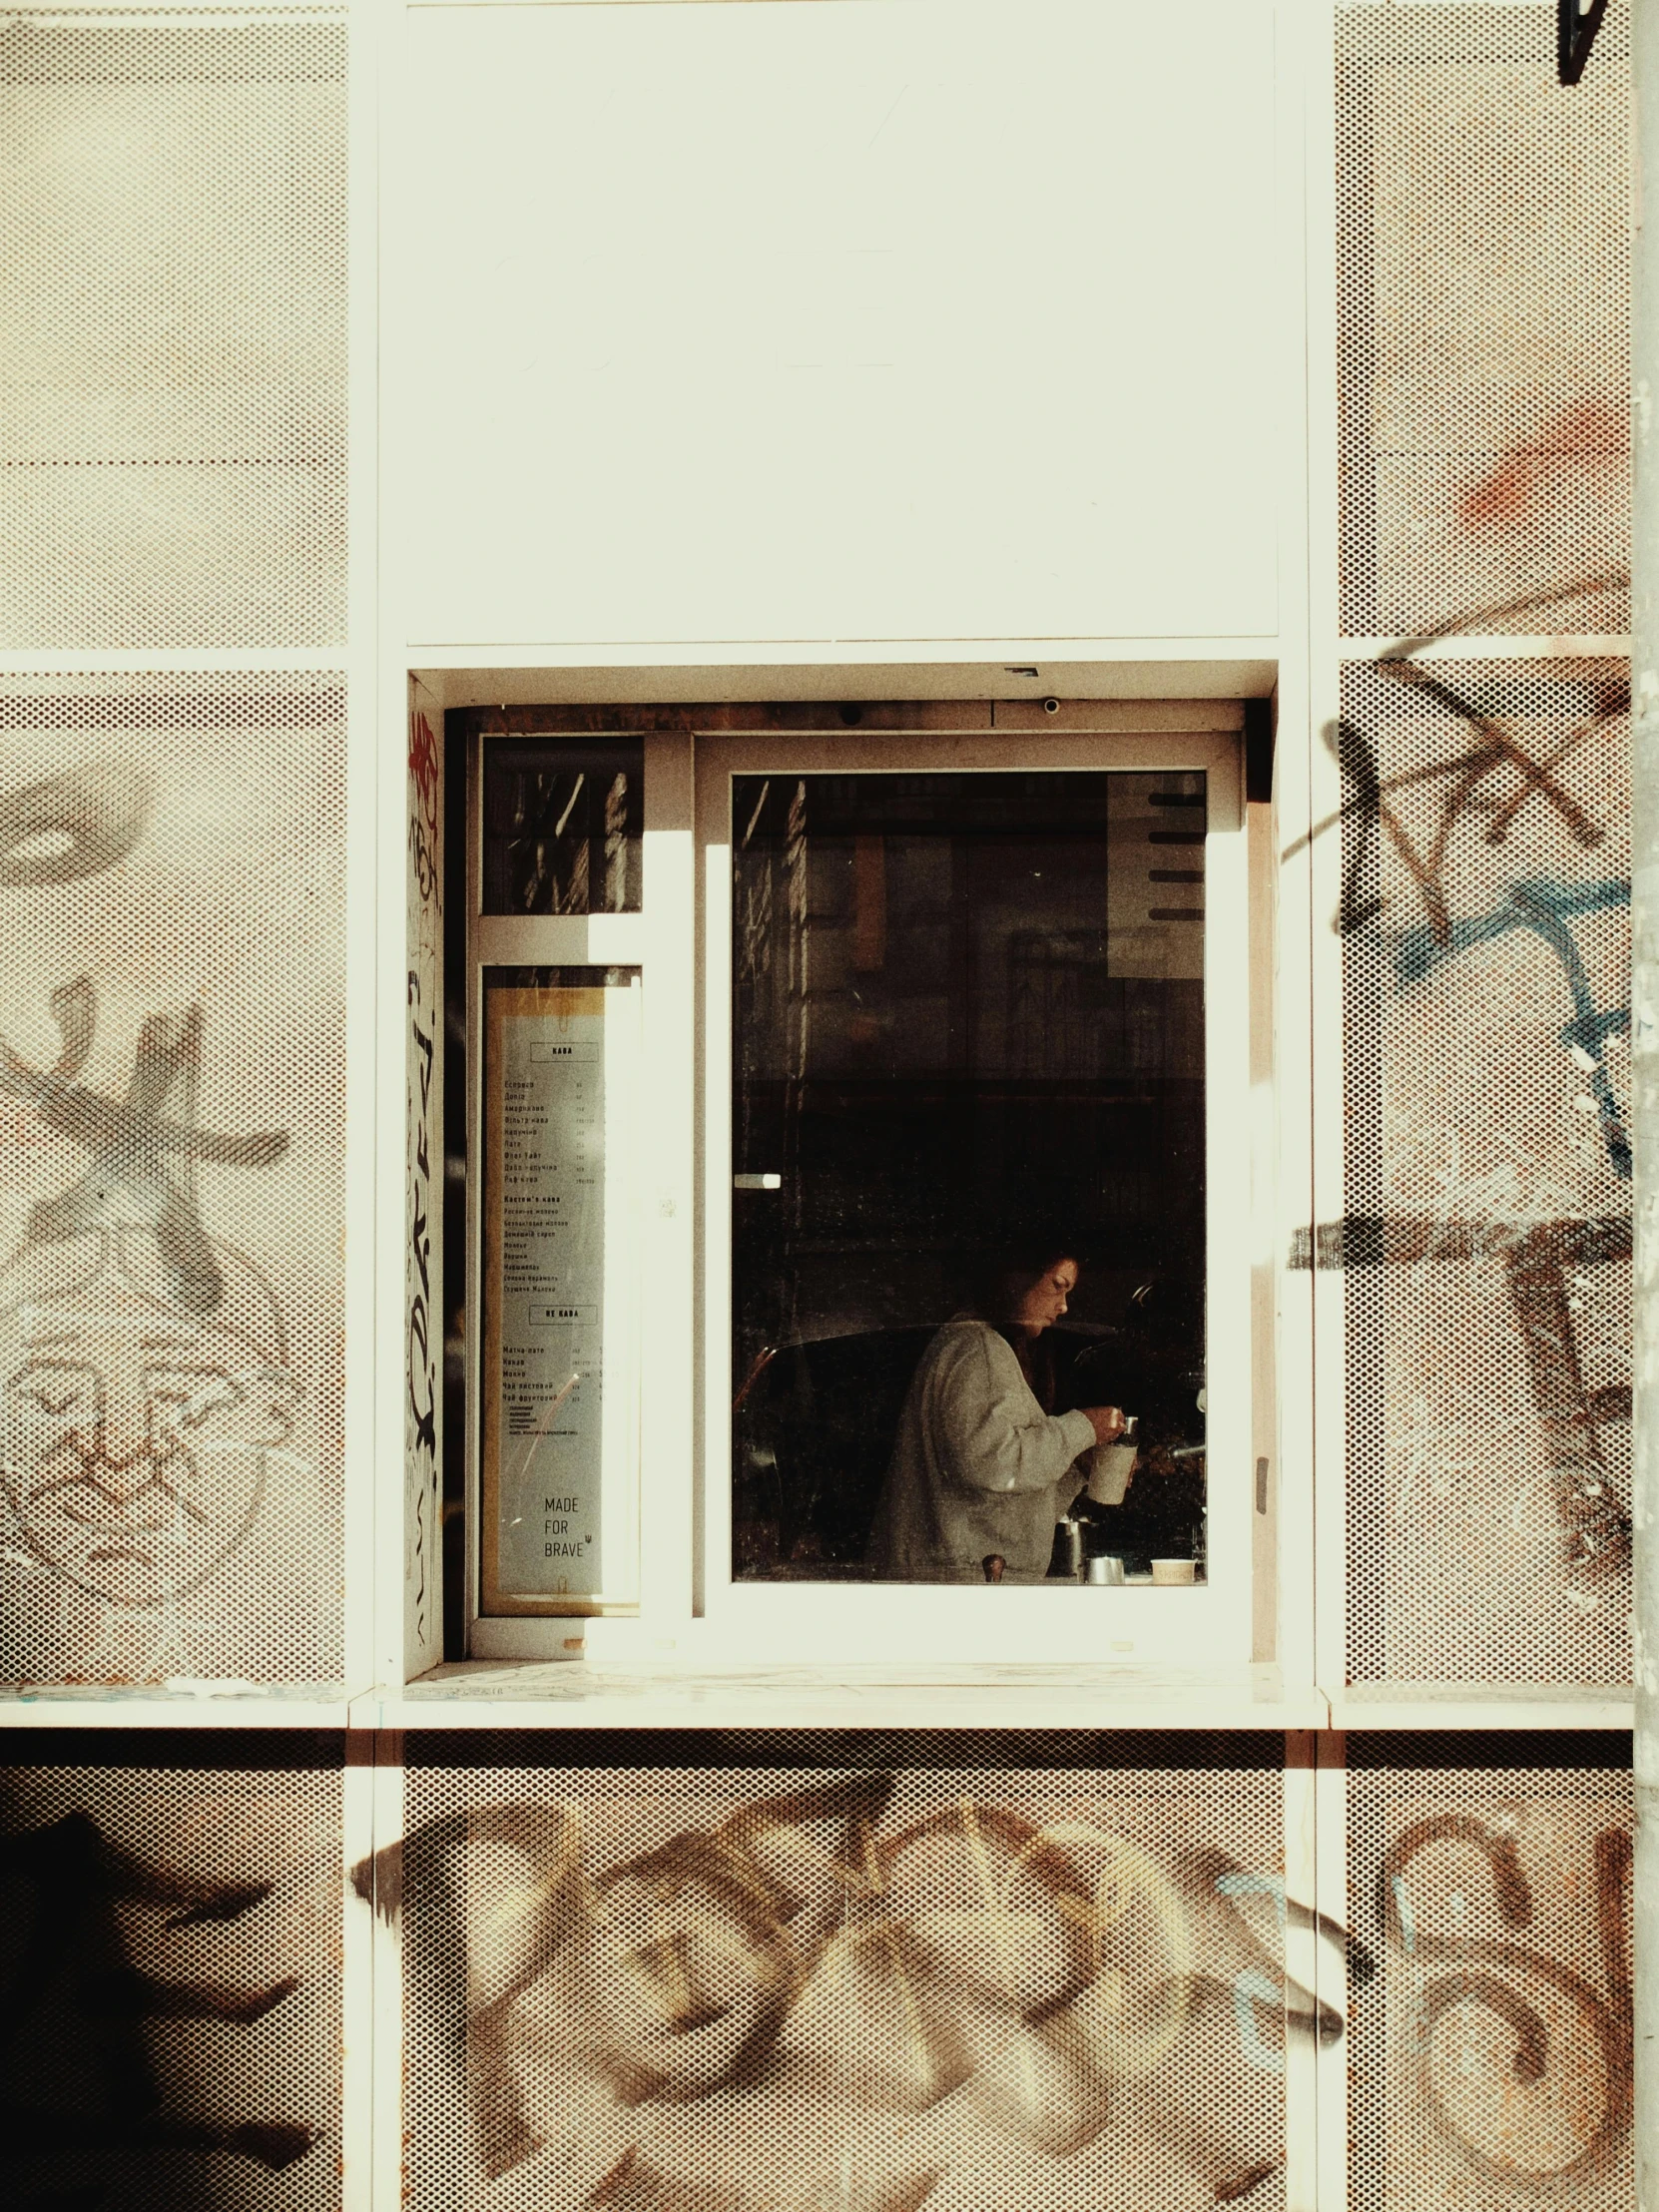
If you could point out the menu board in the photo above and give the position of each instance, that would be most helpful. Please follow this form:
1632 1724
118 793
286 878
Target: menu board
560 1390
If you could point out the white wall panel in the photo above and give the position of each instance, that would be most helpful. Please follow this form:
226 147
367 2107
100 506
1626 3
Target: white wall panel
892 320
173 304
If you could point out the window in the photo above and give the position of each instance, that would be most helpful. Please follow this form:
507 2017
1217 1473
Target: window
967 1050
943 1023
556 1141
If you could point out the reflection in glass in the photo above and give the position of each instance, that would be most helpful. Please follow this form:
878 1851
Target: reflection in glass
968 1023
560 1290
563 819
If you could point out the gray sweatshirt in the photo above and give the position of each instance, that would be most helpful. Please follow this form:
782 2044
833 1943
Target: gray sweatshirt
978 1467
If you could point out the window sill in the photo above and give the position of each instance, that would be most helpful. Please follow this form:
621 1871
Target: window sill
579 1694
205 1704
1477 1705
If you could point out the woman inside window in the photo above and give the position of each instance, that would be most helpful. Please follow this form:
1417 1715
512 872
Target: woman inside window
980 1469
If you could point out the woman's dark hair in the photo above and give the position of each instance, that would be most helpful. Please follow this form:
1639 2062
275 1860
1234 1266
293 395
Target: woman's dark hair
1007 1270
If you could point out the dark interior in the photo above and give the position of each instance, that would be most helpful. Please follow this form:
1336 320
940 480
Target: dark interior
963 1005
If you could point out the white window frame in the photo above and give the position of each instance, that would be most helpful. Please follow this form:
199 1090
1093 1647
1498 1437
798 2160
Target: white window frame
823 1623
557 941
691 1611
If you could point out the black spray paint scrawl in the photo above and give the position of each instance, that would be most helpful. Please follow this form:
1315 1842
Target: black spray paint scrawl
145 1377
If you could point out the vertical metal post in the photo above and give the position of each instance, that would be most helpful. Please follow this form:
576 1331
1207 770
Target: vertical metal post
1644 1081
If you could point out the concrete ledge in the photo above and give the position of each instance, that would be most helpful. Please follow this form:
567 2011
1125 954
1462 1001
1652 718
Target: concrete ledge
208 1704
1479 1705
575 1694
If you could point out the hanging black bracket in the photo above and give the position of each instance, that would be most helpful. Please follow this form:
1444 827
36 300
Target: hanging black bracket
1258 732
1576 33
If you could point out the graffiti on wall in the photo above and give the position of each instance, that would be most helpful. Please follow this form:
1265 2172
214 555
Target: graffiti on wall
144 1373
680 1992
1483 905
423 1195
1568 2043
165 1174
898 1988
1491 2058
860 1989
1483 893
169 1989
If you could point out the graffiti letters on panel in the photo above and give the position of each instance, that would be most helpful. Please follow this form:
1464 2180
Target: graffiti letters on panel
423 1289
1495 2054
156 1413
847 1993
1485 908
142 1363
144 1374
1483 831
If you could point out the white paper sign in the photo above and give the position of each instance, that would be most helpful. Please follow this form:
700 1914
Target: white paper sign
558 1458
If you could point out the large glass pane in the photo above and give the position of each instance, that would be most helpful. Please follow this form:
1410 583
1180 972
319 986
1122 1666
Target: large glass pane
968 1019
563 819
560 1290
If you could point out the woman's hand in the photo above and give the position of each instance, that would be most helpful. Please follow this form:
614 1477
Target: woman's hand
1107 1422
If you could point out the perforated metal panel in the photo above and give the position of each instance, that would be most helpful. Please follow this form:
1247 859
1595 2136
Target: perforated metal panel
1486 1244
173 328
172 1125
170 1939
1484 274
1491 2054
953 1980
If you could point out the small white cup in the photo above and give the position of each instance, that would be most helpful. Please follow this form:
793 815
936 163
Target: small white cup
1173 1574
1110 1466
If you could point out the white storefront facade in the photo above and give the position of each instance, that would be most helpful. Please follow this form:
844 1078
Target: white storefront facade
670 671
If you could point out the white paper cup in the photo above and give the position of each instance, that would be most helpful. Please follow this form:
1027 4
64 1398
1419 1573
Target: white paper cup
1110 1466
1172 1574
